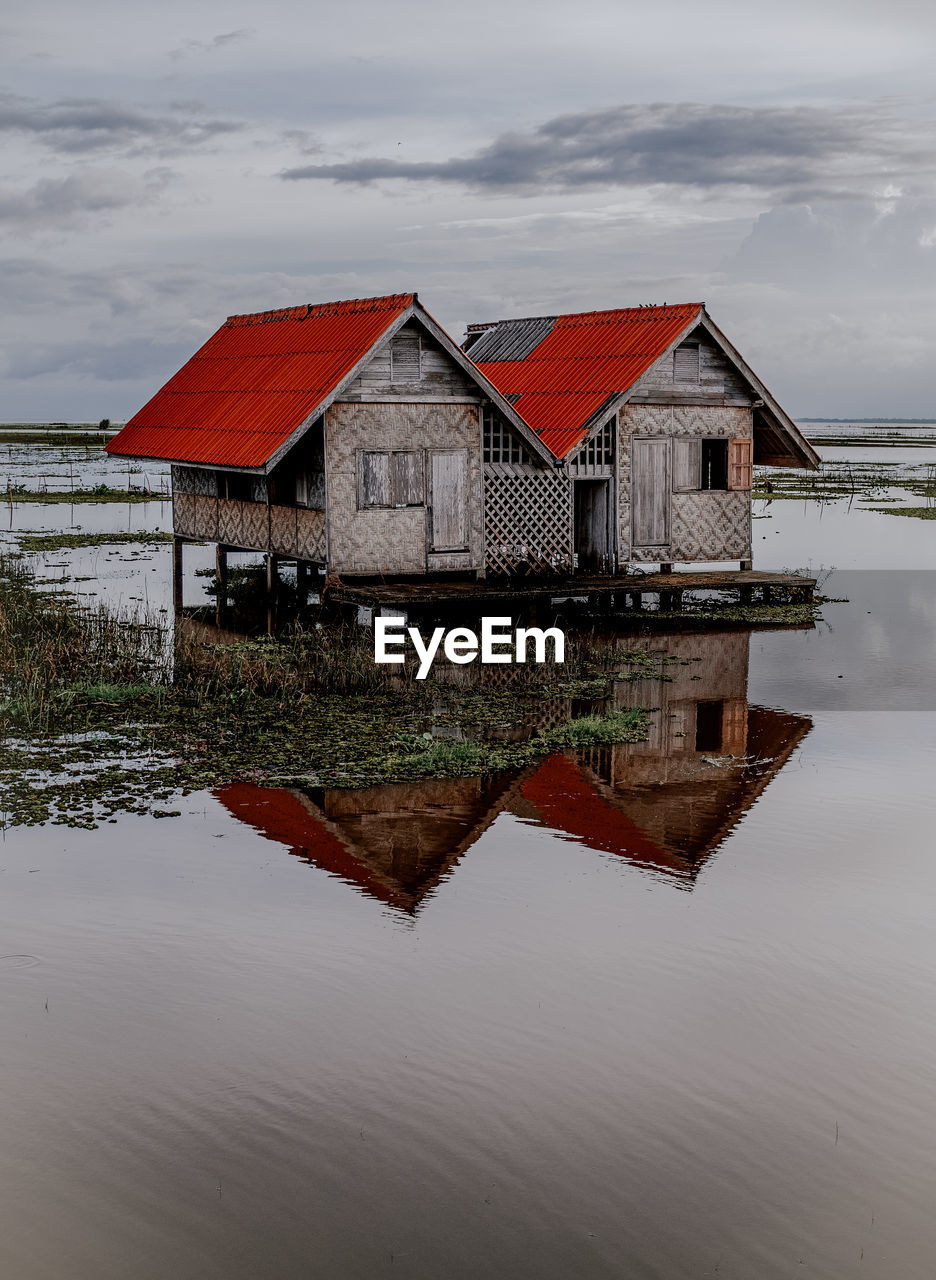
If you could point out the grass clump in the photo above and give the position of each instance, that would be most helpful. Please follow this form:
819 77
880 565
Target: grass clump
70 541
97 493
914 513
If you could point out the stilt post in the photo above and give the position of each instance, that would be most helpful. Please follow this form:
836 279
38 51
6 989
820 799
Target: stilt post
221 574
177 544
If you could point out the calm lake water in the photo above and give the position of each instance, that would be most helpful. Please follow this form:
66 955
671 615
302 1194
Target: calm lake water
655 1011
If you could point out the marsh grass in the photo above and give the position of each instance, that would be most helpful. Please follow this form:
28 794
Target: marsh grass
31 542
100 714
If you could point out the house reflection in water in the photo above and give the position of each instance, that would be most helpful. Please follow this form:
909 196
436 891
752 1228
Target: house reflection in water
664 805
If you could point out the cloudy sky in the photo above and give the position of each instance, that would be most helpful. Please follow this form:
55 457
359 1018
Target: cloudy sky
167 165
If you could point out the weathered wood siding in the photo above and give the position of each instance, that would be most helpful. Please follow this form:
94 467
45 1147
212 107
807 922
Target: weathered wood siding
711 524
397 540
679 376
411 366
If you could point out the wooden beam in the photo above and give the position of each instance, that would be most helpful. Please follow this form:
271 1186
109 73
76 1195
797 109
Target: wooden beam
221 576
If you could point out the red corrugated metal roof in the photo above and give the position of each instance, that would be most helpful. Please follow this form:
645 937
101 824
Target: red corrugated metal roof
584 360
255 381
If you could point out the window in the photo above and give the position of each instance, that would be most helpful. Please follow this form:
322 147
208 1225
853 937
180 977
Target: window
406 357
310 489
686 363
708 733
500 442
240 488
598 451
714 464
392 478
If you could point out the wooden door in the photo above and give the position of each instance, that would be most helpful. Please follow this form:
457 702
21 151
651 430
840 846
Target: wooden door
449 497
592 525
650 492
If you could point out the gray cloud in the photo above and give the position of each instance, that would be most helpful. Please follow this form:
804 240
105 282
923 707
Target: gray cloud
55 202
211 46
792 152
115 362
77 125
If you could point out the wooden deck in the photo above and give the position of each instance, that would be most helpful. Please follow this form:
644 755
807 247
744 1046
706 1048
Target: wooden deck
623 591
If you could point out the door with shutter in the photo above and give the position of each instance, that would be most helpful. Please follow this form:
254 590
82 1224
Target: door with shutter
449 499
650 493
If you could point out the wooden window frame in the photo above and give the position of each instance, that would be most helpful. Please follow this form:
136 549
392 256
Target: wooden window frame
395 479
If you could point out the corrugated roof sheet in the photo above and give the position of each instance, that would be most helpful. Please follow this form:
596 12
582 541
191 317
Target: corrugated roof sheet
255 381
579 363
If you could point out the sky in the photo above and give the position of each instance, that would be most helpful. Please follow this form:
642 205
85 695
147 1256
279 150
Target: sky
164 166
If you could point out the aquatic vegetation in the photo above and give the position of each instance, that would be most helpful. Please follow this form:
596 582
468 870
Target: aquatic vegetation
99 714
97 493
71 541
915 513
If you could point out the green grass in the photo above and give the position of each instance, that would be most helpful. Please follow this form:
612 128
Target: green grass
71 541
99 493
915 513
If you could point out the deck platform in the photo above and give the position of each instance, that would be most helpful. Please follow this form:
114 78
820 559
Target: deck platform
625 591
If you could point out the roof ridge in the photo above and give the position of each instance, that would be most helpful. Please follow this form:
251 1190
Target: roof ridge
645 308
343 306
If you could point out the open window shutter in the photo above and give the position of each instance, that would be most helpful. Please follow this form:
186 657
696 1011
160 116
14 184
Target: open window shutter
740 464
375 480
687 464
408 480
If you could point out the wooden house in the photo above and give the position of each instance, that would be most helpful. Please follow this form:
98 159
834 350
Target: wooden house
654 422
357 437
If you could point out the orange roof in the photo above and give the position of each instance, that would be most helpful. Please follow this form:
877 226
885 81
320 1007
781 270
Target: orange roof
578 363
255 381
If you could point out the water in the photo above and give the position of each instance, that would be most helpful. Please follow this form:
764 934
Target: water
654 1011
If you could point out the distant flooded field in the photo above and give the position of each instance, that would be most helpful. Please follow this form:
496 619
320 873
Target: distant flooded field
660 1007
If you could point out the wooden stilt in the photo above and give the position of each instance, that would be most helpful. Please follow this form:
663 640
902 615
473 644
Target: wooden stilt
746 565
177 545
666 568
302 583
272 566
221 574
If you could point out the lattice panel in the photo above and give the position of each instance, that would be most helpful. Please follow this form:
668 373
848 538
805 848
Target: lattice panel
194 480
712 525
528 523
310 535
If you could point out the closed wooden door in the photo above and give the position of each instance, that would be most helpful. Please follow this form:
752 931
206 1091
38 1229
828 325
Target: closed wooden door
449 515
650 492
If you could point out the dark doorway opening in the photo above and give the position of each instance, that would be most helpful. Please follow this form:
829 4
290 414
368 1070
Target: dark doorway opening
593 526
709 721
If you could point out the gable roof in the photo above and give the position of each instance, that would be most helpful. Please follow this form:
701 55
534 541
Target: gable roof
562 373
261 378
561 370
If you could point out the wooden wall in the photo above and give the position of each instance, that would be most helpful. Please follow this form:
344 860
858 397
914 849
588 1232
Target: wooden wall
706 525
197 512
391 372
718 381
387 540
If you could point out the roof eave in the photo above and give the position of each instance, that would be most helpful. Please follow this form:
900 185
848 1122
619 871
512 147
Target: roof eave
800 446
